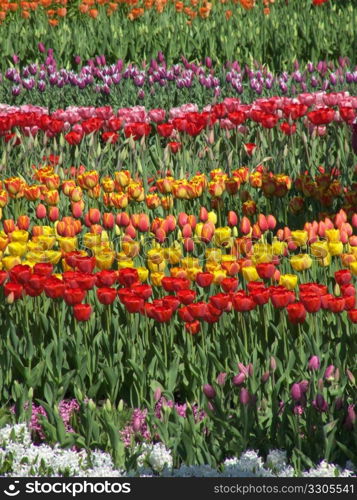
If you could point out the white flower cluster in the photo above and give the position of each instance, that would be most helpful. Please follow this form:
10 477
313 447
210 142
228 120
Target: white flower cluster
157 456
19 457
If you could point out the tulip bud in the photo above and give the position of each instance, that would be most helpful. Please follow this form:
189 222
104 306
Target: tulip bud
204 215
188 244
314 363
41 211
354 220
94 215
265 377
351 377
296 392
157 394
245 225
329 373
262 223
271 220
232 218
23 222
272 364
209 391
53 214
182 219
239 379
244 396
221 378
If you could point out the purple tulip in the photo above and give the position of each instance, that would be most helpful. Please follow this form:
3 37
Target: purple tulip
221 379
209 391
239 379
329 373
15 59
304 385
265 377
244 396
314 363
296 392
41 47
319 403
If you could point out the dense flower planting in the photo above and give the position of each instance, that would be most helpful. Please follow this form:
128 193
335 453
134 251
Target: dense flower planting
178 238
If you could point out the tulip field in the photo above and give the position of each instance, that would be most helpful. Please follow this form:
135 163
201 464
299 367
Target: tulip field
178 238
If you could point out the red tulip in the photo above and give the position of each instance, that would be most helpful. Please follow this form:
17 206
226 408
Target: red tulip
229 284
106 295
20 273
343 276
85 264
163 314
243 302
43 268
82 312
204 279
311 301
185 314
265 270
73 296
3 277
86 281
171 302
198 310
141 290
336 304
193 327
128 276
321 116
15 288
352 314
280 299
54 287
133 303
186 296
296 312
106 278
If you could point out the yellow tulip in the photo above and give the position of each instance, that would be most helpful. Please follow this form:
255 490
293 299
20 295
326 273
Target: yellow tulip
278 247
131 248
67 243
156 278
353 268
212 217
90 240
122 264
46 242
214 254
333 235
219 275
301 262
250 273
52 256
173 254
155 255
20 236
222 236
326 261
188 262
288 280
335 248
143 273
105 259
153 267
10 261
17 249
319 249
299 237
